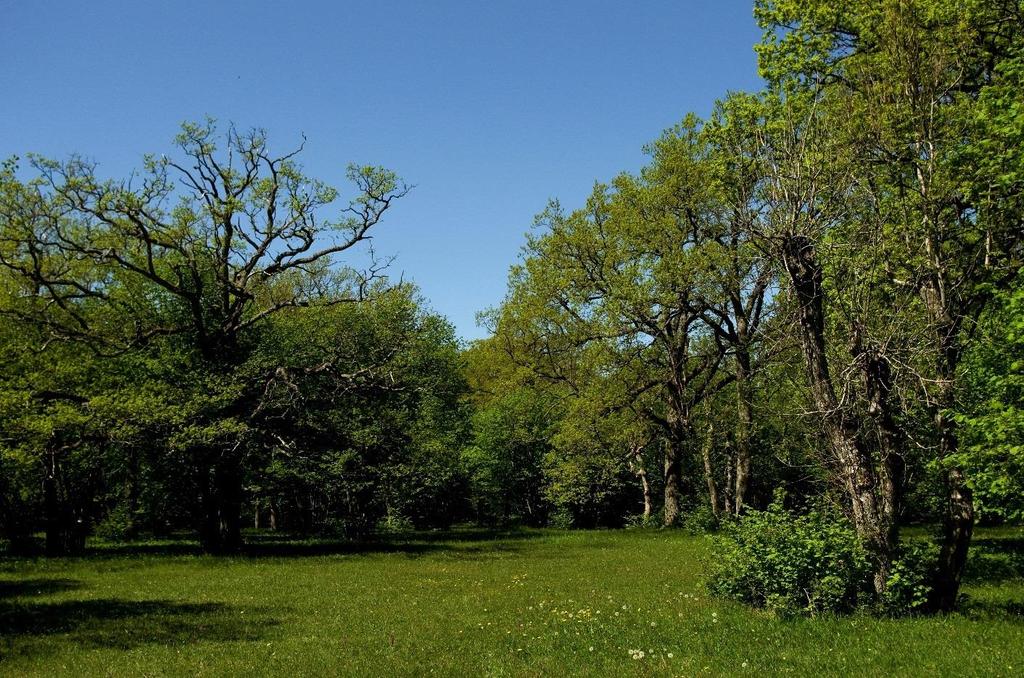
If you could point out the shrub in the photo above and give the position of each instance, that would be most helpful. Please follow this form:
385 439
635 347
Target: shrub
701 520
640 521
908 587
790 564
395 523
118 525
561 519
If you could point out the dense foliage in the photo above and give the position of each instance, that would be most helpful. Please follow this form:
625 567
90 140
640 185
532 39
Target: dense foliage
816 290
189 356
809 563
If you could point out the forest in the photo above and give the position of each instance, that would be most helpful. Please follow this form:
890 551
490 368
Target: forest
800 327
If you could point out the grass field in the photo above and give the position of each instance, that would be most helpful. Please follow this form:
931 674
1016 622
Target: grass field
525 603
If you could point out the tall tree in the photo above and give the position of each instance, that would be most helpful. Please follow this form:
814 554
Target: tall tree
740 273
198 251
914 78
615 287
807 199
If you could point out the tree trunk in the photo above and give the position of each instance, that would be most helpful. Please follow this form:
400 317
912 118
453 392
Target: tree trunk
209 528
730 480
709 470
229 495
878 385
842 432
221 500
744 422
636 465
51 512
958 528
132 491
65 531
958 523
673 480
648 503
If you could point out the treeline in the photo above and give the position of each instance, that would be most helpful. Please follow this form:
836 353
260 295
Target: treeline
184 350
815 290
813 296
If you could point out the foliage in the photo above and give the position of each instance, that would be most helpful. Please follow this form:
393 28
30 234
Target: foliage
511 436
186 349
992 415
791 564
599 458
701 520
908 589
590 490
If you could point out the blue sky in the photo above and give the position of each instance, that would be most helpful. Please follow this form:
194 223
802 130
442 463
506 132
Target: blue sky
489 108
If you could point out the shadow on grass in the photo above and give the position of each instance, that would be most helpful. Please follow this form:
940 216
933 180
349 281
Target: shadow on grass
468 543
458 542
475 534
35 587
995 559
1001 610
294 548
123 624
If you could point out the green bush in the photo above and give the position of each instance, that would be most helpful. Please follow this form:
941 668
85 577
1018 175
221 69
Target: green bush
395 523
908 587
118 525
639 521
561 519
701 520
791 564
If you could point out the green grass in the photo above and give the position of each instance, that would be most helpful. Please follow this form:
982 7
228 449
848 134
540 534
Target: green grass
521 604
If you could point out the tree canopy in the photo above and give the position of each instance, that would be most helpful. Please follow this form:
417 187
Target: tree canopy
808 302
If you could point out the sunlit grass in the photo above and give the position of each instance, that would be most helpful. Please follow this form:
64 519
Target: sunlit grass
527 603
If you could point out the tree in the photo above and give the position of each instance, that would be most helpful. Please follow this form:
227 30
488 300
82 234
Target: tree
740 272
192 256
806 197
515 416
377 436
915 84
603 446
614 288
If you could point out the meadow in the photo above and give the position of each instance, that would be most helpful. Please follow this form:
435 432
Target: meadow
519 603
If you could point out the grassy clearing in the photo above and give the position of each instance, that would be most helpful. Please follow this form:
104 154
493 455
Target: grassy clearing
469 603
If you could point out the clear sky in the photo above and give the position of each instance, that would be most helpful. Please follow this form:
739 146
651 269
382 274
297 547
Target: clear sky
490 108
